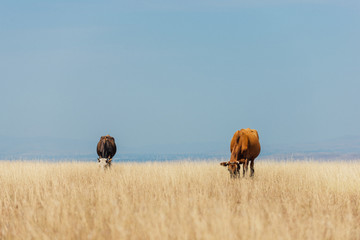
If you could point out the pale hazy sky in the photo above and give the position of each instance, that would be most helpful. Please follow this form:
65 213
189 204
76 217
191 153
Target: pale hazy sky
175 72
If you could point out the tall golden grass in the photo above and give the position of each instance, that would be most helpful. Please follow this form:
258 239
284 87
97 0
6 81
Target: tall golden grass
179 200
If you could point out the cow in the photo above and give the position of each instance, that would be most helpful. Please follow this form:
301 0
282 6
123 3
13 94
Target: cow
106 149
244 148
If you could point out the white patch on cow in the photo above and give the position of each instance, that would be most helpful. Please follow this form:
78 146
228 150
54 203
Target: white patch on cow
104 163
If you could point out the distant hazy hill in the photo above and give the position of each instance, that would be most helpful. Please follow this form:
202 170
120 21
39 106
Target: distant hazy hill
345 147
57 148
28 148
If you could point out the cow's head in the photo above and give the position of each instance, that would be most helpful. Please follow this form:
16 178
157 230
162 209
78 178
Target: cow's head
233 168
104 163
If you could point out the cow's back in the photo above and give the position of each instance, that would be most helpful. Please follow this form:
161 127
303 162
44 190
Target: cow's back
246 143
254 147
106 147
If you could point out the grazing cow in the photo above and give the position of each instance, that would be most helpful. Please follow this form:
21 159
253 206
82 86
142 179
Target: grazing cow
106 149
244 148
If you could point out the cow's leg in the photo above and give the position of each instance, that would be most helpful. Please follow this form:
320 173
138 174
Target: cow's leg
245 167
238 170
252 168
109 161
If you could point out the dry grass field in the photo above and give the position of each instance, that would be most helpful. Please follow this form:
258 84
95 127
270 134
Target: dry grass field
179 200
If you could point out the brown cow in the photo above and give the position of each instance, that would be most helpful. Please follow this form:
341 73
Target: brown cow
106 149
244 148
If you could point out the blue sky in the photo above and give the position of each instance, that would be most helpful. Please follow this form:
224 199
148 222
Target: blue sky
168 73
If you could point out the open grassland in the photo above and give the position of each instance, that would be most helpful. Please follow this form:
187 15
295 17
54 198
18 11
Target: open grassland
179 200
